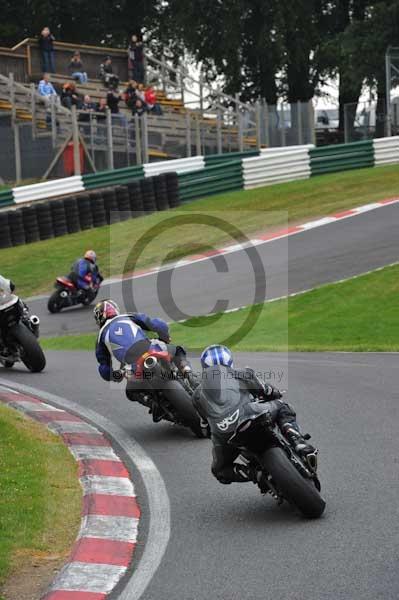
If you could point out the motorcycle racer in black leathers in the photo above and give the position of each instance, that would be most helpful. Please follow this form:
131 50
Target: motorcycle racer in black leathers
224 397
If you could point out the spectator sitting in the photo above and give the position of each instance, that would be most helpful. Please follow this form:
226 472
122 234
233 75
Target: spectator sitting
136 59
139 108
46 90
151 102
109 79
69 96
130 94
46 45
76 68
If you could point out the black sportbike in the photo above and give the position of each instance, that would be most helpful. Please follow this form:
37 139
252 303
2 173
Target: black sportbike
67 293
19 334
282 472
157 384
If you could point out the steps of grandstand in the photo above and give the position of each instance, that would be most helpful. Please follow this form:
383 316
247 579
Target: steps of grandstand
180 131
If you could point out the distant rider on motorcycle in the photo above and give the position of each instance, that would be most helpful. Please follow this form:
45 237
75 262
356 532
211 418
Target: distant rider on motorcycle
121 341
83 270
224 396
9 298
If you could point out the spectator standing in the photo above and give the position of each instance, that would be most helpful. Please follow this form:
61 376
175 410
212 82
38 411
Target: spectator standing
70 96
46 45
76 68
136 59
107 76
140 92
47 91
102 108
130 94
113 99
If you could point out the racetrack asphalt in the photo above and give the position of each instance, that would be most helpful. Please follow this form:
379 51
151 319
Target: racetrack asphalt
229 542
335 251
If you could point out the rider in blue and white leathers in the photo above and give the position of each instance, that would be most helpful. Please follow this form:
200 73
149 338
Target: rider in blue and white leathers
122 340
120 334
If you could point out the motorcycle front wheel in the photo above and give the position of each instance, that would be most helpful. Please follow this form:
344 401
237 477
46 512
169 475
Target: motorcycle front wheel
297 490
181 402
31 353
54 303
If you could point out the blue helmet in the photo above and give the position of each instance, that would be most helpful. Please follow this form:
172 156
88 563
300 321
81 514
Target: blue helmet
214 356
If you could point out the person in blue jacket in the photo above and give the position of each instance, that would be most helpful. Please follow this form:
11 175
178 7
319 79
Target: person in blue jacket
87 265
122 340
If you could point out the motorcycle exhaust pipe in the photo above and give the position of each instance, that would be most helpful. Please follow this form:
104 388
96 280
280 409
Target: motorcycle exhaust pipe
150 363
35 322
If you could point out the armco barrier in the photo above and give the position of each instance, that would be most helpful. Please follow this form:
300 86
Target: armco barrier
275 167
6 198
211 180
180 165
342 157
217 159
386 151
48 189
196 177
115 177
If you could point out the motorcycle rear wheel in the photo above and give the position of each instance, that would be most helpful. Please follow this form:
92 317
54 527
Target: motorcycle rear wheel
297 490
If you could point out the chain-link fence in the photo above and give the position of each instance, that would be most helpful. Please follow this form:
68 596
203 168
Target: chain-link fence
363 121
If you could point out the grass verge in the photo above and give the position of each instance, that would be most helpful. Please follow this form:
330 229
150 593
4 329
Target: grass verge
356 315
40 497
34 267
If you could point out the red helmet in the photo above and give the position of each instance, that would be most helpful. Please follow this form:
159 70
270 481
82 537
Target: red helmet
105 310
91 256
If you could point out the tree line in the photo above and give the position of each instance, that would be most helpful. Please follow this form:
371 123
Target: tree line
260 48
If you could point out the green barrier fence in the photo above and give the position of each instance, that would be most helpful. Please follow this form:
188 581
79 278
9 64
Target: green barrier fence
115 177
343 157
211 180
214 159
6 198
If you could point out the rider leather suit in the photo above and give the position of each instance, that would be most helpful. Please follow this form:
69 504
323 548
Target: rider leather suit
121 341
224 398
82 267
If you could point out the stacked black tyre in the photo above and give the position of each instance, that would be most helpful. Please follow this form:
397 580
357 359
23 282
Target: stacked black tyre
123 202
57 209
31 225
161 192
84 210
72 214
98 209
148 193
136 199
172 185
5 237
44 221
17 230
111 205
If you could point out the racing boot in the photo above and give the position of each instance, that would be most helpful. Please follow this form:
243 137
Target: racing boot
300 444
